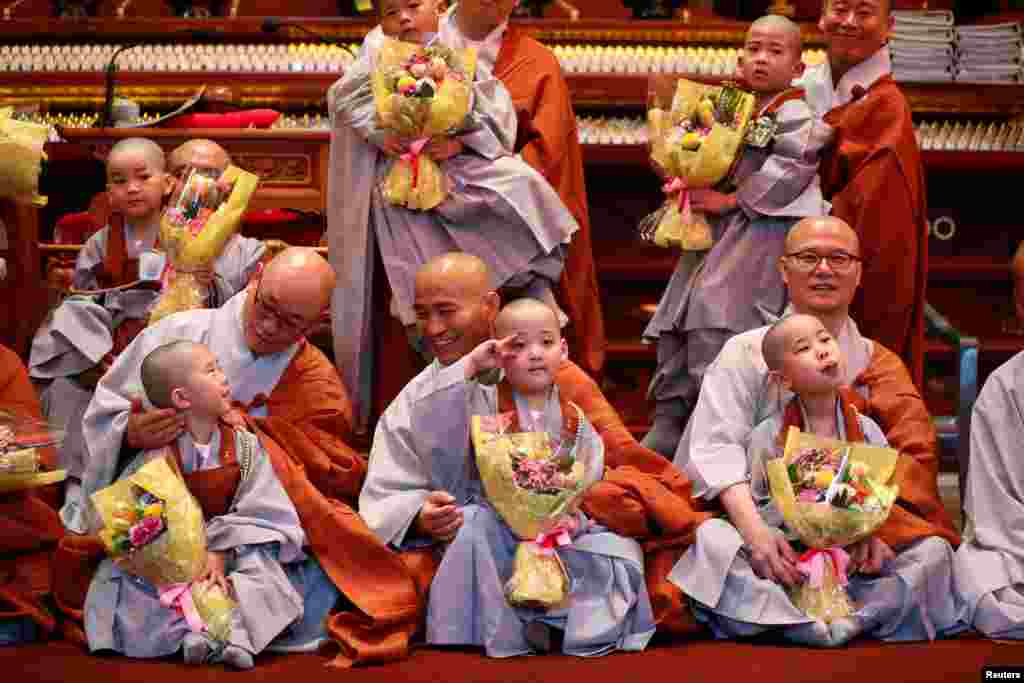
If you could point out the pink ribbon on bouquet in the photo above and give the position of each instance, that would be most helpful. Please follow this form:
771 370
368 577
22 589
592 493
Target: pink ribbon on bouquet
677 184
179 596
554 538
413 157
812 565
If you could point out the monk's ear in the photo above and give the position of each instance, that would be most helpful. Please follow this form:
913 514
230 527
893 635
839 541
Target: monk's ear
492 304
564 356
168 185
776 377
799 67
180 399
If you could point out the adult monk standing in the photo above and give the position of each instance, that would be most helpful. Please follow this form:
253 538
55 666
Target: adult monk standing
548 140
873 174
291 395
406 500
29 524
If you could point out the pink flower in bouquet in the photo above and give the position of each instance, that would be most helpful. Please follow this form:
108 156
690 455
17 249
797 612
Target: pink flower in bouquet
418 70
807 496
145 531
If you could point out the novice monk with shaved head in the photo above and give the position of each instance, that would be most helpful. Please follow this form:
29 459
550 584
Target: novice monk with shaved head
254 536
291 395
424 486
736 286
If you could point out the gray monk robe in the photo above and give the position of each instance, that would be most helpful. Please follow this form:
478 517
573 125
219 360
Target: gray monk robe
499 209
422 445
736 285
85 331
249 517
989 565
909 600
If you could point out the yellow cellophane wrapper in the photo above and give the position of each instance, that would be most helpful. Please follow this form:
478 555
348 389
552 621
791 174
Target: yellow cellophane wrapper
414 118
187 252
527 513
538 580
19 462
21 158
821 525
178 555
701 168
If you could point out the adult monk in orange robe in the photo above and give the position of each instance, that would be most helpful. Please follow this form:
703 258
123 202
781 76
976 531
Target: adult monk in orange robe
291 395
548 140
873 174
29 524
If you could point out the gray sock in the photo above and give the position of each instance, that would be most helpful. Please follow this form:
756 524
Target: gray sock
814 634
846 629
197 648
236 657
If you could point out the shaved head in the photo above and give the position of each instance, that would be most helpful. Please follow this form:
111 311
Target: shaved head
291 296
458 269
142 147
165 369
773 346
822 226
201 153
1017 265
514 312
778 24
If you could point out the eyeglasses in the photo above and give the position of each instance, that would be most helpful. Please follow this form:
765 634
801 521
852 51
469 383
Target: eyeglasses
808 261
292 324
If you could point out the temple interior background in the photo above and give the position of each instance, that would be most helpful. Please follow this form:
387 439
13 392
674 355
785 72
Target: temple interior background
54 56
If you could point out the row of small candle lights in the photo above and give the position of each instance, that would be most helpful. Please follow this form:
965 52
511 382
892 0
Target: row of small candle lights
641 59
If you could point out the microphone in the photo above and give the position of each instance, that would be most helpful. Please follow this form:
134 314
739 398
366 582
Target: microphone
273 25
108 93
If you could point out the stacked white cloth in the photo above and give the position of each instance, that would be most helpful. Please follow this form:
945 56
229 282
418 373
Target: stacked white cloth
922 46
989 53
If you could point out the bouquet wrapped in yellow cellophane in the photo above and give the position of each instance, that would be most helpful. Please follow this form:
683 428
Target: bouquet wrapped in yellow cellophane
830 493
695 135
21 158
420 93
193 232
154 528
535 481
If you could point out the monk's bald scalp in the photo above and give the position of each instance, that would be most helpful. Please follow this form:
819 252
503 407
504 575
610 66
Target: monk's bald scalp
1017 264
183 153
818 226
471 274
300 274
773 346
884 5
146 148
166 368
782 25
520 309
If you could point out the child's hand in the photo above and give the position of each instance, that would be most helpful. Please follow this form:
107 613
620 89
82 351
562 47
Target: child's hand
216 563
392 144
489 354
203 275
441 149
870 555
713 202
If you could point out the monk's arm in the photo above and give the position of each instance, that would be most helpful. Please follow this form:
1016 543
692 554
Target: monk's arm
878 205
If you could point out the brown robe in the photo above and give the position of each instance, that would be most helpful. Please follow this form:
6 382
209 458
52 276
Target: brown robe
655 507
548 141
309 420
29 524
874 178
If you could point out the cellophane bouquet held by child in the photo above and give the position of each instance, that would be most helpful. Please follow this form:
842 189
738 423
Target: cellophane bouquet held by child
831 494
535 480
421 93
21 158
153 528
695 135
193 232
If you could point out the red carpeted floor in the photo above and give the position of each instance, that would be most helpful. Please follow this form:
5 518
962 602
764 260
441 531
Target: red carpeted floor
863 662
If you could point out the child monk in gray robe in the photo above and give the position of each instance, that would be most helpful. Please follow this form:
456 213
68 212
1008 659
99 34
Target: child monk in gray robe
79 339
422 445
498 208
739 566
254 536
